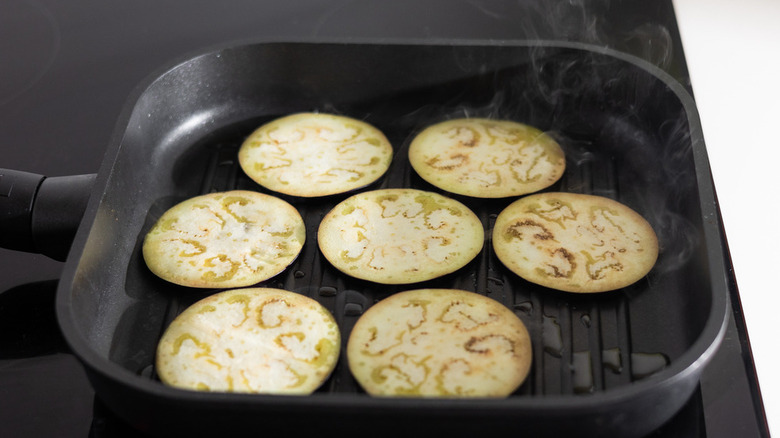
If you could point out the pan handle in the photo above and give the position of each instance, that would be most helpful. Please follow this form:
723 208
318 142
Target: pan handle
41 214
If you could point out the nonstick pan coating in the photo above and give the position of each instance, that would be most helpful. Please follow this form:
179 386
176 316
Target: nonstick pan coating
613 364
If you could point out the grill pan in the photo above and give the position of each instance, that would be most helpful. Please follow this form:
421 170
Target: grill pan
613 364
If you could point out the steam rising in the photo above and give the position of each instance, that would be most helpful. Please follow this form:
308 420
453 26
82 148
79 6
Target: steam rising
624 132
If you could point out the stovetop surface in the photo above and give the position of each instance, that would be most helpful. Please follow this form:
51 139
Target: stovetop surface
67 68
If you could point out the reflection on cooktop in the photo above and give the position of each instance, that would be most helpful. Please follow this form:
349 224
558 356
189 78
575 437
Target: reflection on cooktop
33 50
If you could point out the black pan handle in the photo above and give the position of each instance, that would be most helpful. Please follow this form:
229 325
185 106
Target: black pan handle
41 214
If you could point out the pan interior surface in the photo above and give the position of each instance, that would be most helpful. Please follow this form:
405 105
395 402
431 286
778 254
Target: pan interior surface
626 133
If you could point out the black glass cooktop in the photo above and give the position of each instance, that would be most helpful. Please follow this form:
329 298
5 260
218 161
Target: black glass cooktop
66 69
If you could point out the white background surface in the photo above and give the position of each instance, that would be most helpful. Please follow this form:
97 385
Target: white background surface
732 48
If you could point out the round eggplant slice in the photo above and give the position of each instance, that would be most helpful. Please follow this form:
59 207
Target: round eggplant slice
574 242
226 239
312 154
439 343
255 340
400 236
486 158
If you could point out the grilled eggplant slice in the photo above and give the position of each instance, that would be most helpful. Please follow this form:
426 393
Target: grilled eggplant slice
227 239
486 158
575 242
400 236
257 340
439 343
314 154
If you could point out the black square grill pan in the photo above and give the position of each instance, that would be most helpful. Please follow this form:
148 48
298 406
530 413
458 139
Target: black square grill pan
612 364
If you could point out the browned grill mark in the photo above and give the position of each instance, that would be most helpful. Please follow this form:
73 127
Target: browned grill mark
470 344
515 230
461 160
558 273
